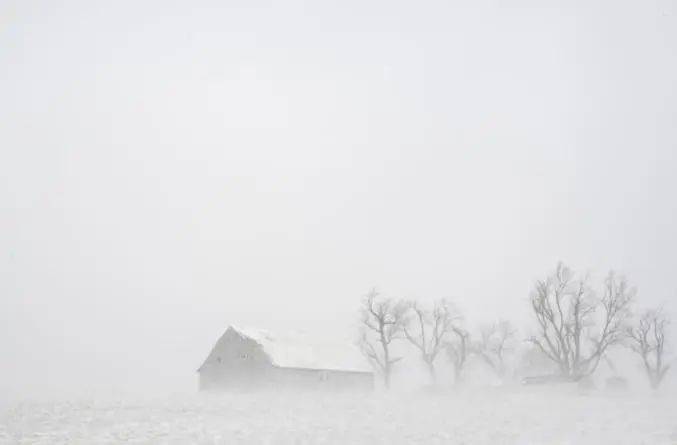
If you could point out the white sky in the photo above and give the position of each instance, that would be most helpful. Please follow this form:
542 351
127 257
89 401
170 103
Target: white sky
169 167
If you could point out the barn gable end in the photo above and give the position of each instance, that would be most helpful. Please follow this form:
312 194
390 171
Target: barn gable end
249 358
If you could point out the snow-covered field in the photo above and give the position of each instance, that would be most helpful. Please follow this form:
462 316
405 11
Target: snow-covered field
497 416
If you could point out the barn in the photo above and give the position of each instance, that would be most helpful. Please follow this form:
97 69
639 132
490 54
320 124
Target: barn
246 359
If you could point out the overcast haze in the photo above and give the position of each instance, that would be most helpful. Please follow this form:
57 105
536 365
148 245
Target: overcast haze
170 168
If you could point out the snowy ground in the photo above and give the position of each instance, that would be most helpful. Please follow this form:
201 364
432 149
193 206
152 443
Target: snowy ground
517 416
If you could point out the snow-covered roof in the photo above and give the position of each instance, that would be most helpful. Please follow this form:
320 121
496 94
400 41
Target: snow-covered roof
301 350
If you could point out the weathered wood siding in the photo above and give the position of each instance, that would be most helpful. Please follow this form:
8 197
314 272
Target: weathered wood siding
235 363
322 379
238 363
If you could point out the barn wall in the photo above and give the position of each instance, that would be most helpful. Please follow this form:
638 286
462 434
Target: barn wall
314 379
234 363
239 378
237 363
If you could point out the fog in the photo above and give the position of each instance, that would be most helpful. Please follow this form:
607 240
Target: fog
171 168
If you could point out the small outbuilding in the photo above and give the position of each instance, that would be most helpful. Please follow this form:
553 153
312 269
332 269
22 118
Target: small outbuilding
246 359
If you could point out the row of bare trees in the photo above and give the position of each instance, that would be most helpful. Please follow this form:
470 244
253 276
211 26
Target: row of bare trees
575 328
432 331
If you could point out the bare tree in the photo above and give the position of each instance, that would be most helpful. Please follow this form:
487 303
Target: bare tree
494 343
383 321
647 338
429 331
575 329
458 349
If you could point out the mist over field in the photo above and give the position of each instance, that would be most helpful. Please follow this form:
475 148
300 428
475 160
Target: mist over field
169 170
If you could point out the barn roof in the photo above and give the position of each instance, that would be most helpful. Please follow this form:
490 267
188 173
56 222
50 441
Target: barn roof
300 350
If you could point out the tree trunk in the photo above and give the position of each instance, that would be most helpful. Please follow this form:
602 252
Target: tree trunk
431 370
458 377
386 377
